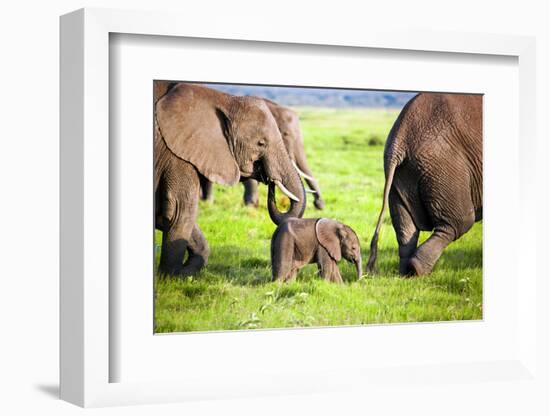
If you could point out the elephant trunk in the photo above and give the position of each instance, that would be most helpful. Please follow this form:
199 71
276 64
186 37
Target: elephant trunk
296 209
359 268
281 173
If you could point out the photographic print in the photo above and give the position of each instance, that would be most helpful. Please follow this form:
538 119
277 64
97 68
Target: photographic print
293 207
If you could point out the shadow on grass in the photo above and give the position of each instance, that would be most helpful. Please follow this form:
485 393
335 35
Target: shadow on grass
452 260
194 290
468 258
244 267
239 266
255 262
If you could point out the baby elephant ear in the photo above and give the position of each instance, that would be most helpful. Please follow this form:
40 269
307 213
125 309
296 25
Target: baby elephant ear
328 231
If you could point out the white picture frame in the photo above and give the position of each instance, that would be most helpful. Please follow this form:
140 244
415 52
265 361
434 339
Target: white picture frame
85 353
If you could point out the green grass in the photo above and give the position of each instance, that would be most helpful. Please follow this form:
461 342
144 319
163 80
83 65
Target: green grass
344 149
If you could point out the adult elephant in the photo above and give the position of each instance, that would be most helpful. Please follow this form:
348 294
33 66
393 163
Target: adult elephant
433 165
289 126
203 133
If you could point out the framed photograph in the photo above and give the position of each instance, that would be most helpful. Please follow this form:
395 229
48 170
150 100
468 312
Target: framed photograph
283 267
280 213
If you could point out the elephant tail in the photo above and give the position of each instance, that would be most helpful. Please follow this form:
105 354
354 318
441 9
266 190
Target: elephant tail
374 242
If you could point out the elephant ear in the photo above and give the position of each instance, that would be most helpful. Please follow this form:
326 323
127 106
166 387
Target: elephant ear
195 129
328 232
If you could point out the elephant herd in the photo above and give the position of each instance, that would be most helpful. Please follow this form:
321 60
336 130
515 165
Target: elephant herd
432 163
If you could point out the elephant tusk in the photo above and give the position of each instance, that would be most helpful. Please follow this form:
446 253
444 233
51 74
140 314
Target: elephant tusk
286 191
311 191
306 176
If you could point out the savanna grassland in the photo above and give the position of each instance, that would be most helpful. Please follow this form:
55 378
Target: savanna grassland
344 149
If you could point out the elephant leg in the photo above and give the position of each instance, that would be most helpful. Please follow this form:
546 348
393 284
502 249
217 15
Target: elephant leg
207 189
328 268
178 208
427 254
174 245
250 192
282 257
283 273
291 275
198 251
336 276
283 270
405 230
450 207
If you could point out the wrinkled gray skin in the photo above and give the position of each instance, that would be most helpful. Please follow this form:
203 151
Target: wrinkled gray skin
289 126
433 163
203 134
297 242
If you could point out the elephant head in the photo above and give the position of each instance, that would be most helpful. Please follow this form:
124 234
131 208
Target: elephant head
227 138
288 122
339 240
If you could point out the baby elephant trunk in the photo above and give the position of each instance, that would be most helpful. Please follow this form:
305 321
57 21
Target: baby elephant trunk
359 268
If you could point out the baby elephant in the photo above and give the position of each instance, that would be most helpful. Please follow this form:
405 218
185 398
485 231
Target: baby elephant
297 242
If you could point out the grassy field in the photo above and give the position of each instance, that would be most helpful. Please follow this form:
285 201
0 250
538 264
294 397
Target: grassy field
344 148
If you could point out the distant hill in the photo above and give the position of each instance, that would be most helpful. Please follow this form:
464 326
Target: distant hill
320 97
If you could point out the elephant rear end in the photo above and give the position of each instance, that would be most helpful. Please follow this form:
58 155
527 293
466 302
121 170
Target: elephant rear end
433 166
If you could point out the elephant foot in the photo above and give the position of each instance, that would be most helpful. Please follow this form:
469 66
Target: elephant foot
251 203
173 271
184 271
404 268
284 278
188 271
319 203
209 199
193 266
418 268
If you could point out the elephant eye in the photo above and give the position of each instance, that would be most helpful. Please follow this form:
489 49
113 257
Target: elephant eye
261 143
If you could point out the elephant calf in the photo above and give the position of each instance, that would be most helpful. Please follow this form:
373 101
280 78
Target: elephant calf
297 242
